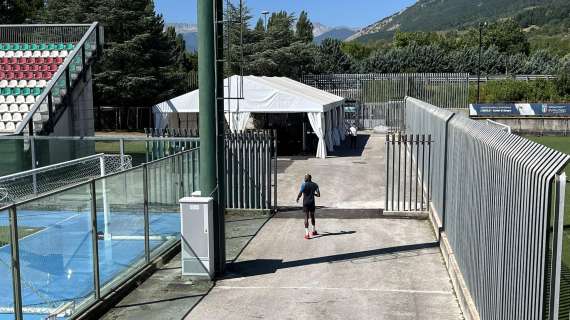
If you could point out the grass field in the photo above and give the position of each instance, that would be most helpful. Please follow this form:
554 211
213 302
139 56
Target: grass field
22 232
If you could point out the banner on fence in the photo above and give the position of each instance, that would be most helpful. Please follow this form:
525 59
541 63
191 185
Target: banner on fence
520 109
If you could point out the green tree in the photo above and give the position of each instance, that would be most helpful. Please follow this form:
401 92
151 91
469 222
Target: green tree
304 28
20 11
331 58
260 26
356 50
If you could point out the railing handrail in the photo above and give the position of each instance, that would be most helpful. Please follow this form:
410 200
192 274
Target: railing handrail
44 25
83 183
99 138
51 84
50 167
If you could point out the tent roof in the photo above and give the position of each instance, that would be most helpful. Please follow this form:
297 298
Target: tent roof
260 95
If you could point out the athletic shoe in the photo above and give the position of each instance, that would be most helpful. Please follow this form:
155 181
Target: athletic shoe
315 233
307 237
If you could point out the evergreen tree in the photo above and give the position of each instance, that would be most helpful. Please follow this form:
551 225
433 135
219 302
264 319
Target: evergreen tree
260 26
304 28
331 59
20 11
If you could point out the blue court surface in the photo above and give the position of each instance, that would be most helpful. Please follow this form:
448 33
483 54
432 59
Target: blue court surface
57 261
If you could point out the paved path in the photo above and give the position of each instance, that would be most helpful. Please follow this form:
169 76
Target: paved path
348 178
362 267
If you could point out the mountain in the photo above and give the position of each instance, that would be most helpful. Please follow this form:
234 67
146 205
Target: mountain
340 33
442 15
189 32
319 29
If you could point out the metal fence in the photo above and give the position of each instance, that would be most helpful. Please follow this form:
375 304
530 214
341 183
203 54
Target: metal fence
497 210
447 90
251 170
68 249
408 179
389 114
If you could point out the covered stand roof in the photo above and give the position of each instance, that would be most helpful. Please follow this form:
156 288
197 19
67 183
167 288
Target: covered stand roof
260 95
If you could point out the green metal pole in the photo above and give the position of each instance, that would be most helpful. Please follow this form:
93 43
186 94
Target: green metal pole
207 104
210 81
219 220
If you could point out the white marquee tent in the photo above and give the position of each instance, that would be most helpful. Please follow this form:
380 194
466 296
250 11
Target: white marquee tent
269 95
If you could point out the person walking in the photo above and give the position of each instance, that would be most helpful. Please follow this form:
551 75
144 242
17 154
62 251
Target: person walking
353 135
309 190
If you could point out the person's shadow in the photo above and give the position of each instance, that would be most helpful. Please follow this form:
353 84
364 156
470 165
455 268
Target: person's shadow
328 234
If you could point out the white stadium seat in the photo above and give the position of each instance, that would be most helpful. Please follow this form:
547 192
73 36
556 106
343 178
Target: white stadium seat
63 54
16 117
10 99
27 54
20 99
2 54
2 99
45 54
54 54
18 54
9 54
3 107
32 83
24 108
22 84
10 126
7 117
3 83
2 126
37 54
13 83
14 107
30 99
42 84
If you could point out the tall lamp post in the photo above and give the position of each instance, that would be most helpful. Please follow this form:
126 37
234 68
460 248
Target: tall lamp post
481 25
265 13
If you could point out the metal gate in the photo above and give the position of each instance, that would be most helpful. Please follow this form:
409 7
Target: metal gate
251 170
408 172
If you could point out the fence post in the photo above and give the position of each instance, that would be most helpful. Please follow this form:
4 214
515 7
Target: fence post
387 171
275 169
145 212
445 162
95 241
16 281
558 232
33 151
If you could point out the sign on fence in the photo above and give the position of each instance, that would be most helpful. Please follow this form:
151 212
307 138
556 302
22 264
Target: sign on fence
520 109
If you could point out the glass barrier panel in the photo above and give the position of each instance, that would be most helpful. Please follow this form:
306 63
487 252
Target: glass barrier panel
52 151
165 187
15 156
137 150
6 288
56 254
120 227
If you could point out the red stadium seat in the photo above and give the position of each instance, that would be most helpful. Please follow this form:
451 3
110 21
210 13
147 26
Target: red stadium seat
22 60
13 61
34 67
39 60
2 75
44 67
48 60
19 75
59 60
10 75
4 60
25 67
16 68
53 68
38 75
28 75
47 75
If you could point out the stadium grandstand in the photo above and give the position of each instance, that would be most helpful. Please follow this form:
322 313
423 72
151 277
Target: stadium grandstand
45 78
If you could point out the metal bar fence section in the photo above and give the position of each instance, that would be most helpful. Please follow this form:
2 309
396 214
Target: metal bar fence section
447 90
145 224
495 203
408 190
424 118
249 169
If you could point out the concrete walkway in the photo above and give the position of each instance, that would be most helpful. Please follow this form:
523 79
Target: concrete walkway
361 267
348 178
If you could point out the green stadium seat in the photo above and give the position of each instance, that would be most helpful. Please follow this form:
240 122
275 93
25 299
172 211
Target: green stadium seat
50 47
60 46
25 47
42 47
16 91
36 91
26 91
34 46
6 92
15 46
70 46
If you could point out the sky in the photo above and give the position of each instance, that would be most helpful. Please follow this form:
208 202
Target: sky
332 13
